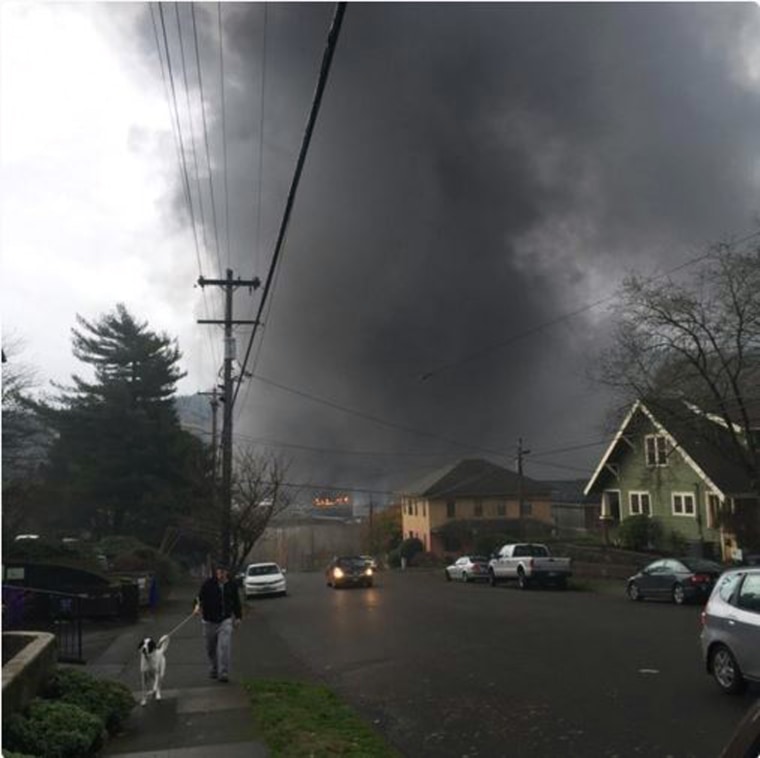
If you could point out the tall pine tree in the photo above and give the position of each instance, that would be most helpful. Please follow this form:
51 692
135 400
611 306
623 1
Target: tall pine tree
121 464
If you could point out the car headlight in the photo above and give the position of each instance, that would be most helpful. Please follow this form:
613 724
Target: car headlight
338 573
368 572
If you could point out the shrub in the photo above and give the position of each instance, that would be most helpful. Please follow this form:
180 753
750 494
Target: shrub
677 543
53 730
394 558
428 560
639 532
110 701
410 547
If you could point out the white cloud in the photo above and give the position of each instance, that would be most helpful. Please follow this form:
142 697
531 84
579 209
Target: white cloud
84 222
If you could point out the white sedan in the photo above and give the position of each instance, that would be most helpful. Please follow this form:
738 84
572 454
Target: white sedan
468 568
264 579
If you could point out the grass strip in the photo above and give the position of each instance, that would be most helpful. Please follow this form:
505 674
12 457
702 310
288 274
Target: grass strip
300 720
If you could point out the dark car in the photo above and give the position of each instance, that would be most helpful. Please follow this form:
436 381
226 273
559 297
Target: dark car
349 571
681 580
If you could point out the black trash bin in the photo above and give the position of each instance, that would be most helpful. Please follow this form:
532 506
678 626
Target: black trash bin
130 601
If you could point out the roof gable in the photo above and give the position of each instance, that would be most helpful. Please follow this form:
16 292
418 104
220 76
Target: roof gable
704 444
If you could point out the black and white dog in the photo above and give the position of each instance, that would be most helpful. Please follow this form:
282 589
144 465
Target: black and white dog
152 666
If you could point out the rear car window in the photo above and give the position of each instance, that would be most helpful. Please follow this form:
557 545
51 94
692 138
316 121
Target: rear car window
749 594
262 570
727 585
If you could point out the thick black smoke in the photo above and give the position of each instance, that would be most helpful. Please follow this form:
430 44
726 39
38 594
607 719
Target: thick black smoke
476 171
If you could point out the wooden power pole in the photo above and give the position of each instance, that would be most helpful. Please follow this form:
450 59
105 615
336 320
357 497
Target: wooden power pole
229 285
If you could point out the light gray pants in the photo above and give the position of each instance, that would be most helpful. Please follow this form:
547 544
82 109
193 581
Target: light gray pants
218 638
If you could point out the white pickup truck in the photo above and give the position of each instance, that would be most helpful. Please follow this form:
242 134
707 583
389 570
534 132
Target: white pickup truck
528 563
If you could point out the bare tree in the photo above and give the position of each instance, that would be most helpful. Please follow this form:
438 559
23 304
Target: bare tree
259 494
24 438
697 341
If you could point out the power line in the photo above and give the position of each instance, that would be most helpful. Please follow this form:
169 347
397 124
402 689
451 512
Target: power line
332 39
205 138
177 134
563 317
224 136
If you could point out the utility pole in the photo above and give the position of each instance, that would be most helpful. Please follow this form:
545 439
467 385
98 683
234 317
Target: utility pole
214 402
229 285
521 452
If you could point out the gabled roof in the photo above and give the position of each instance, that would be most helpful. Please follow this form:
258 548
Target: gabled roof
705 445
474 477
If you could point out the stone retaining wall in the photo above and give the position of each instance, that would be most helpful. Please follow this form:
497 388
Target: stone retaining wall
27 670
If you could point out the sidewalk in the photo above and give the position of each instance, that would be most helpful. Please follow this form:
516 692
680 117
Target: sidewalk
197 716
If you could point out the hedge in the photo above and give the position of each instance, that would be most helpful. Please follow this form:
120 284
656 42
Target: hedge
53 729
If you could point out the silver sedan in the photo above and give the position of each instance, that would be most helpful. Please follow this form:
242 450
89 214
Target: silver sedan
468 568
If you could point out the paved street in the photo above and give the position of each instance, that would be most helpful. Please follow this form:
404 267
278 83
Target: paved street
447 669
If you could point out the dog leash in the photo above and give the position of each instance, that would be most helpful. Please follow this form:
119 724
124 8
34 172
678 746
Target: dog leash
180 625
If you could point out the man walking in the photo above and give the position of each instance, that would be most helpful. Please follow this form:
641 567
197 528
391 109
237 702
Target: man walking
219 603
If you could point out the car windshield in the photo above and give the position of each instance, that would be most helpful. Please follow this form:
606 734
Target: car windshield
269 568
478 559
351 562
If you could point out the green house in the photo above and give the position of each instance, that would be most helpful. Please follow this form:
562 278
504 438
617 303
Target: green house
672 462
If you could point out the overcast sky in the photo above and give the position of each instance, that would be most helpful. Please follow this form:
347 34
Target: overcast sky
477 171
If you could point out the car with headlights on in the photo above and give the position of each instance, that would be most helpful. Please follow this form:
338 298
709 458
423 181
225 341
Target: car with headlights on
730 635
264 579
349 571
681 580
468 568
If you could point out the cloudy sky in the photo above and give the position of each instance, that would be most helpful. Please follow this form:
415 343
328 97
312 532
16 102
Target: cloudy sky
477 172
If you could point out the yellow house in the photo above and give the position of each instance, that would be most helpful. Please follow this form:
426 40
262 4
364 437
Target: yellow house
473 492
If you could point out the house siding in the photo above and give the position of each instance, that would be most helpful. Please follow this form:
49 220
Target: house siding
661 482
421 517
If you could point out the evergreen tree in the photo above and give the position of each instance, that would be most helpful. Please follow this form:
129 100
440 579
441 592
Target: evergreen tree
121 464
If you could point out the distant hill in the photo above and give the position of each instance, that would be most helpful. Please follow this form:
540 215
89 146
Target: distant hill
195 415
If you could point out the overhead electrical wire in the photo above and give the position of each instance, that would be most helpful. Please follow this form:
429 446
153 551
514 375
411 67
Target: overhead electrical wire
170 94
562 317
224 136
205 140
332 40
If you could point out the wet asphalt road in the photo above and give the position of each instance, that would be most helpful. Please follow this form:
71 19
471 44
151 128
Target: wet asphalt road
448 669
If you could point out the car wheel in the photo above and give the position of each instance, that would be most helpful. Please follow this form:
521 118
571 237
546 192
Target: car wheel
522 580
492 578
448 576
726 671
634 592
562 583
678 594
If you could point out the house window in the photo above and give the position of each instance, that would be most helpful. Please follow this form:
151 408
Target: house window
639 503
451 509
424 508
526 509
479 509
683 504
611 505
713 510
415 509
501 509
656 450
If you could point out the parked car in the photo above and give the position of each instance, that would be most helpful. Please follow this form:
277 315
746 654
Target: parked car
528 563
264 579
681 580
468 568
348 571
731 630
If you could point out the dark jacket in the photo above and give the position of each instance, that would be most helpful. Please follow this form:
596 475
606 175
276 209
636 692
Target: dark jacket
218 603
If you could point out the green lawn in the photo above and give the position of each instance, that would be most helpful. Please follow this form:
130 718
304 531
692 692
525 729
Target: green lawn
299 720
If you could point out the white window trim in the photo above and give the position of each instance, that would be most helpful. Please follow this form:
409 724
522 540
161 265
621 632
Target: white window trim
631 512
674 495
606 511
656 463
